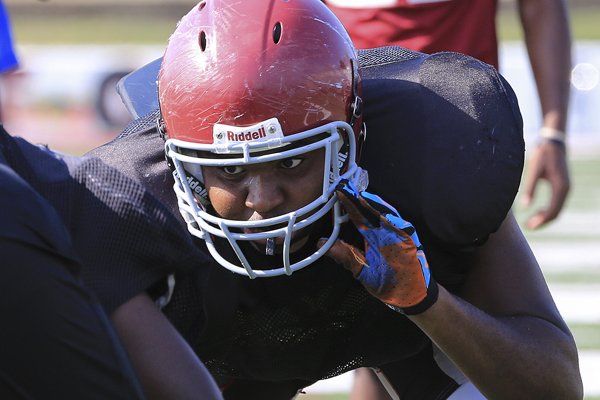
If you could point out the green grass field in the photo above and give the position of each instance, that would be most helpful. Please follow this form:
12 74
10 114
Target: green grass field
584 23
130 22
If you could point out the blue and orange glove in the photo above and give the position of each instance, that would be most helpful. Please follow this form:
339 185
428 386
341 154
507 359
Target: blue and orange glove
393 267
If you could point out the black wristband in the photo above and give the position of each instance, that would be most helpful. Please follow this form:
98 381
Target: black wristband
428 301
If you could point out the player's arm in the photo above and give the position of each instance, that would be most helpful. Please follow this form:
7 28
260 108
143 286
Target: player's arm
165 364
506 335
548 39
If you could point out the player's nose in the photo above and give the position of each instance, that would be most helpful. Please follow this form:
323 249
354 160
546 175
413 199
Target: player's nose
265 195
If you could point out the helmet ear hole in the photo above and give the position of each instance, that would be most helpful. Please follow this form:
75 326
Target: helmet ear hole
277 32
202 40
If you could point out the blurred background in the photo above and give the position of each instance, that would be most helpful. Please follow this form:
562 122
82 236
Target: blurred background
72 53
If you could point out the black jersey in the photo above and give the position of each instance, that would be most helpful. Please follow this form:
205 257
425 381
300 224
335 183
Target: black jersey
317 323
116 226
57 340
444 146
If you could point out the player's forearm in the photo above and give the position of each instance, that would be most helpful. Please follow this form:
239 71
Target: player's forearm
506 358
548 39
165 364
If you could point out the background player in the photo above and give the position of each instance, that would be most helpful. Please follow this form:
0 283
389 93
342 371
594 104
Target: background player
470 28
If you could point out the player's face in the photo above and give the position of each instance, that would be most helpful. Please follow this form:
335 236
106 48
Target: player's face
259 191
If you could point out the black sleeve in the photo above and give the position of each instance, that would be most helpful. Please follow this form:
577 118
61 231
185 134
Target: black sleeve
27 218
139 153
444 146
60 342
127 239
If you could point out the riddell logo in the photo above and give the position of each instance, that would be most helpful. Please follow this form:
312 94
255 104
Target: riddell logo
196 186
228 137
246 136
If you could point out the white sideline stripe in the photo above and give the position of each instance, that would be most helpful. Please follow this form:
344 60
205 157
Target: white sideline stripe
555 257
338 384
573 222
577 303
589 362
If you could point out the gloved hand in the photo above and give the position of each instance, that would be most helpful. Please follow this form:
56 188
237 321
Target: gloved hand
393 268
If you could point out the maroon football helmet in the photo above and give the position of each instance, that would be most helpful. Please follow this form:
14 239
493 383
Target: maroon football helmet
242 77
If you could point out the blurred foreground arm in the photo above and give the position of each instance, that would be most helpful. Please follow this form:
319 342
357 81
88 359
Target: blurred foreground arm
548 39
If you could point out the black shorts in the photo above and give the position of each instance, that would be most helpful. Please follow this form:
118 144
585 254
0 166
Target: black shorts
55 341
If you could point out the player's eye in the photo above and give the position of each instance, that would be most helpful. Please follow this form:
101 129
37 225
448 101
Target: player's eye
232 169
290 163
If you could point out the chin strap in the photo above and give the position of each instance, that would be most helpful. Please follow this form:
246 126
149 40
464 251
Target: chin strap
270 247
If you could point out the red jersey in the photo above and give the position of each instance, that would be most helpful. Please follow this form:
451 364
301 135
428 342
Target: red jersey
427 26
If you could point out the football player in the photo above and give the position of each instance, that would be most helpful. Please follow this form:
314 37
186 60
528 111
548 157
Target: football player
315 268
470 27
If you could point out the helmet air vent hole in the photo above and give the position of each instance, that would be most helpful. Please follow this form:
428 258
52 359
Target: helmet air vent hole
277 32
201 5
202 40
